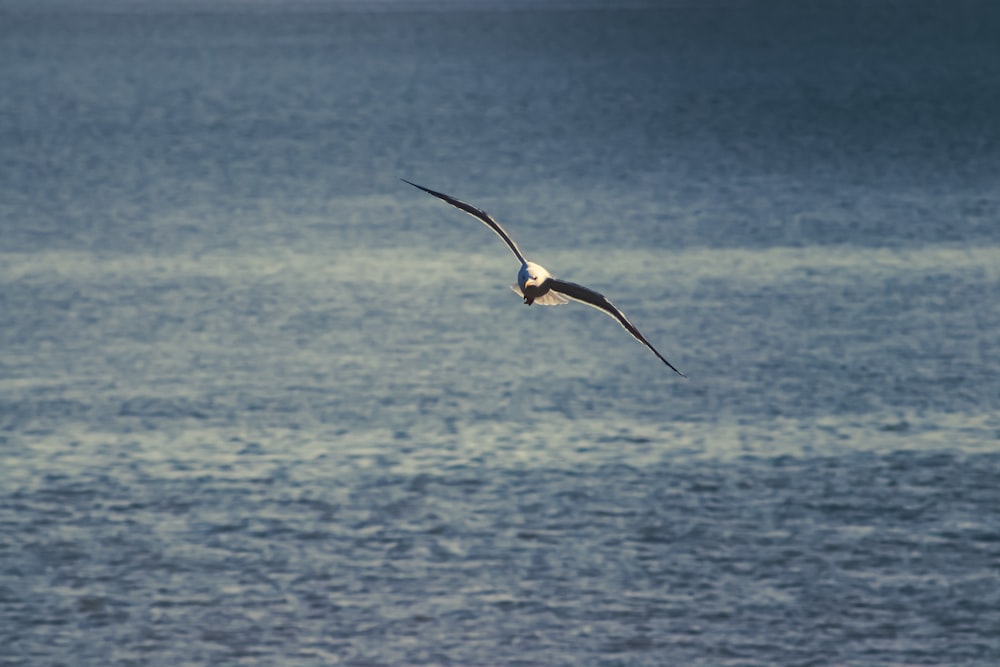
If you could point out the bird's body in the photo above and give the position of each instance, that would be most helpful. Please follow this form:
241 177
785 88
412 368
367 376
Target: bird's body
536 285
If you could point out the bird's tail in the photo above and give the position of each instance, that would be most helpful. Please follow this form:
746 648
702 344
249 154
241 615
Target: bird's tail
550 298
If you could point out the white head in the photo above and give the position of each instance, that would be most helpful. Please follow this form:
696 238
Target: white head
532 275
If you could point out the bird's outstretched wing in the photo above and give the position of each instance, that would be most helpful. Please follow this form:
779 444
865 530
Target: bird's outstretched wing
597 300
476 213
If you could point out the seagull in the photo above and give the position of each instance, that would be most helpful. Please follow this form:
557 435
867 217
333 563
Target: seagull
536 285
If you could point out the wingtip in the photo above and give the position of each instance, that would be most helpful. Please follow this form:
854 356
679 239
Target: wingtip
419 187
434 193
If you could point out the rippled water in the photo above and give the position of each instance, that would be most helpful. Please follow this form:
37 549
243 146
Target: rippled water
263 403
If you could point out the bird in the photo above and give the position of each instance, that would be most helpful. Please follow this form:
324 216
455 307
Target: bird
536 285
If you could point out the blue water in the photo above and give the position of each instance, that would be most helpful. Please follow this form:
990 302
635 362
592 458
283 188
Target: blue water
262 403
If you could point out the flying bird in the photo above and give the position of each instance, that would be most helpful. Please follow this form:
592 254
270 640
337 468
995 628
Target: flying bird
536 285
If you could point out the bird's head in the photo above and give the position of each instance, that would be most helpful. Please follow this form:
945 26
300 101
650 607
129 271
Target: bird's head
532 281
532 275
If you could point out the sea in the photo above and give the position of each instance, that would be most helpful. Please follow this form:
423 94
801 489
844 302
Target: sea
263 403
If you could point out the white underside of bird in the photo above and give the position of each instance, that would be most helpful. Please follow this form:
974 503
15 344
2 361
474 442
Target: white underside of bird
536 285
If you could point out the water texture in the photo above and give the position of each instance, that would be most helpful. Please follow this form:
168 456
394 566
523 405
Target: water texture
262 403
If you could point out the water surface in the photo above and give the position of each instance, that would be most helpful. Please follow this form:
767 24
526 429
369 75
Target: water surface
263 403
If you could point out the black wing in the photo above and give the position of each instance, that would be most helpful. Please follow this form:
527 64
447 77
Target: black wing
597 300
476 213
